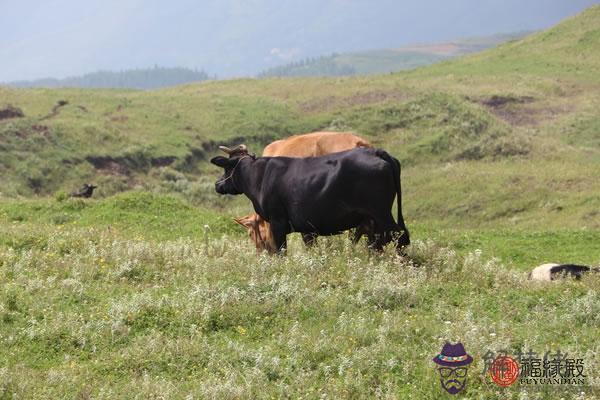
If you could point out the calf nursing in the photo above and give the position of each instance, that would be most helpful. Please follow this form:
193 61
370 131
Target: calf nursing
318 195
313 144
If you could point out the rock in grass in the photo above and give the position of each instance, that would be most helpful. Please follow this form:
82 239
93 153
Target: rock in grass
550 272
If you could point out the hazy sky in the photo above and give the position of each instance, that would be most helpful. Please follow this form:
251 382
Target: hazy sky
59 38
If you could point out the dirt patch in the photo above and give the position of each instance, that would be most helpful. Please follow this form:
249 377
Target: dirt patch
56 109
109 165
119 118
125 165
516 116
43 130
499 101
529 116
191 160
331 103
520 110
162 161
11 112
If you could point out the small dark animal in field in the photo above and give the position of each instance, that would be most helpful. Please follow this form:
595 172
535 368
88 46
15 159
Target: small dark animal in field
549 272
86 191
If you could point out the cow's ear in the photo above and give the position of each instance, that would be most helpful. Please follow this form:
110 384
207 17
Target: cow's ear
220 161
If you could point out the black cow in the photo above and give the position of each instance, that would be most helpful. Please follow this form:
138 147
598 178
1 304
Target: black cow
319 195
86 191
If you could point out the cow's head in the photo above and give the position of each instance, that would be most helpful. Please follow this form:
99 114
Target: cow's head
225 184
259 232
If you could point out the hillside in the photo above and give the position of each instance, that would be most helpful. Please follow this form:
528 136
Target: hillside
516 132
386 60
568 50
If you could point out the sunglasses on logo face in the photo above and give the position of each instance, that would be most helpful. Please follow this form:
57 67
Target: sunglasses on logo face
446 372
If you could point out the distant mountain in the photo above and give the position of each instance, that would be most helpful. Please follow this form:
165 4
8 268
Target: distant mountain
387 60
150 78
240 38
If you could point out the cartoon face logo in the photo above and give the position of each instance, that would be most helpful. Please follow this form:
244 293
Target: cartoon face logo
452 366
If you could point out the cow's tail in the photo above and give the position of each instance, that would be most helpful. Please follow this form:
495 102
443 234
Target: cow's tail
396 170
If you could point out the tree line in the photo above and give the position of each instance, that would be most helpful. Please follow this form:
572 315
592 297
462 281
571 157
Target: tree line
145 78
311 66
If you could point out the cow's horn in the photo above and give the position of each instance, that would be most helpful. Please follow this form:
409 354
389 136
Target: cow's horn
225 149
240 148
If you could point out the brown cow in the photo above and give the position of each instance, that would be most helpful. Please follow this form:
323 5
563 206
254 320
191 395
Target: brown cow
314 144
308 145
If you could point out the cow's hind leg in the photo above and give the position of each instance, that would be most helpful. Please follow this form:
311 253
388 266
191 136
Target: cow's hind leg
402 241
383 232
310 239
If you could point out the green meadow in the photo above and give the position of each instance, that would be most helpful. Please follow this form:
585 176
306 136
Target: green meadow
150 290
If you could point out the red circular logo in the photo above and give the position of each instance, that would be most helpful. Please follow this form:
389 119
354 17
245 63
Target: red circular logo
504 371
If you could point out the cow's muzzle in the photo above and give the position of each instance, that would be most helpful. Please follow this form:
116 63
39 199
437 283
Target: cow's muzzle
220 188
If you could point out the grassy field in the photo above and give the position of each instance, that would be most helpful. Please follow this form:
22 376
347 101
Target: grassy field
149 290
118 311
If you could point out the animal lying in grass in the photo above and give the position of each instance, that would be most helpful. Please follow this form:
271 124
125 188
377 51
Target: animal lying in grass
319 195
307 145
549 272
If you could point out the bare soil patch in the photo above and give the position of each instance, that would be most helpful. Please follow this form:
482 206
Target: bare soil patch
108 165
11 112
56 109
119 118
499 101
521 110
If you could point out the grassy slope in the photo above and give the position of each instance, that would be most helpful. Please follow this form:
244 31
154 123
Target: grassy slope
131 294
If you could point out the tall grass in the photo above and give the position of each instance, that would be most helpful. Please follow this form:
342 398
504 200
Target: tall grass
90 314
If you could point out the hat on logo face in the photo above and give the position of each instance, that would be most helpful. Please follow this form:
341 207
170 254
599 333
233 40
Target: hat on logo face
453 355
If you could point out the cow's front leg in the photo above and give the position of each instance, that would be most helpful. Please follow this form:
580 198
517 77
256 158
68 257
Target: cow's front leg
366 228
279 231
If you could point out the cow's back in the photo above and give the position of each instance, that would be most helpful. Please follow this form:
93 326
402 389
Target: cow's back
327 144
332 193
314 144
